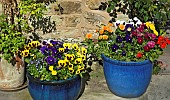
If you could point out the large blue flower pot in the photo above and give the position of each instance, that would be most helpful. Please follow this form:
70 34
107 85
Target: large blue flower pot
55 90
127 79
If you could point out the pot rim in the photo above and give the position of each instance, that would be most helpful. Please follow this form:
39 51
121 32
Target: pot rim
124 63
52 82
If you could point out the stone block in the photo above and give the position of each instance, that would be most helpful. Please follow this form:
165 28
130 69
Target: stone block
97 17
94 4
58 19
71 7
72 21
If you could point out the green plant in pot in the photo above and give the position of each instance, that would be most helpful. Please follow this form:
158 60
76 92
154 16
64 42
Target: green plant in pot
11 63
57 67
128 54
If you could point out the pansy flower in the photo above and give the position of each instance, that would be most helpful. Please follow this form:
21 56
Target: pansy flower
62 63
69 56
78 61
50 60
75 46
61 50
115 47
67 45
54 72
70 66
78 71
84 50
25 53
44 50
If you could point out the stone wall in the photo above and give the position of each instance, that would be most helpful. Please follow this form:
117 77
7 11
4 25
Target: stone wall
79 17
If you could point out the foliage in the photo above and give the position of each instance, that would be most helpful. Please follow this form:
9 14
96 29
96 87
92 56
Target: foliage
145 10
55 60
129 42
11 41
15 24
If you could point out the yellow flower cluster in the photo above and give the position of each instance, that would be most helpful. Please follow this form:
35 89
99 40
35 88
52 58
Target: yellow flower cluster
54 72
33 44
73 61
152 27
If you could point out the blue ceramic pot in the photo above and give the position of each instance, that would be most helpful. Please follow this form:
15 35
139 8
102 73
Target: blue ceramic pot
54 90
127 79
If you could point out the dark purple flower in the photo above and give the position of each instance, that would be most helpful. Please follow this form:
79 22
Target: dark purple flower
129 39
129 27
44 50
50 60
44 42
59 56
123 53
66 50
119 39
115 47
53 42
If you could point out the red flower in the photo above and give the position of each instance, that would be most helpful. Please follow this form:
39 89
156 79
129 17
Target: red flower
139 55
163 45
140 40
146 48
162 41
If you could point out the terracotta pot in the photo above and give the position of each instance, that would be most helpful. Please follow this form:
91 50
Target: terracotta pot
11 76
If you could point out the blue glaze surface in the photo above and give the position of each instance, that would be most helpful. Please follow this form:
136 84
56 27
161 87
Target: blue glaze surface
127 79
54 90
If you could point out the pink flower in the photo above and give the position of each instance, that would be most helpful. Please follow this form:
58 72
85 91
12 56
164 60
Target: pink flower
151 44
153 36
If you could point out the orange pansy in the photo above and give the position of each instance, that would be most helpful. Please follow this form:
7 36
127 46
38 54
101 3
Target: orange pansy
110 24
122 27
101 32
89 35
105 28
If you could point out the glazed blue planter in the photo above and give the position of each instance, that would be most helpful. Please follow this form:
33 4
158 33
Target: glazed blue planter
55 90
127 79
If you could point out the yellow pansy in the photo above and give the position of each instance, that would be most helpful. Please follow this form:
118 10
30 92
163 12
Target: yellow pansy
27 47
78 54
78 71
71 70
67 45
80 67
75 46
51 68
69 56
61 50
67 61
83 57
54 72
155 32
70 66
100 37
25 53
84 50
78 61
62 63
34 43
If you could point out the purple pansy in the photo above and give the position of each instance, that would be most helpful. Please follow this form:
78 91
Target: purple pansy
129 27
123 53
44 50
119 39
50 60
115 47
